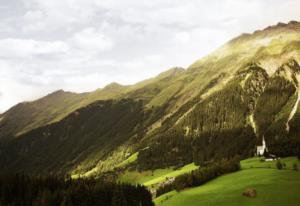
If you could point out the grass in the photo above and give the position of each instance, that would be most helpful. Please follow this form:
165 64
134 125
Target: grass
132 158
256 163
174 173
166 94
149 178
274 187
142 177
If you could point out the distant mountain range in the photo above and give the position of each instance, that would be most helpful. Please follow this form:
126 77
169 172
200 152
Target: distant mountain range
220 106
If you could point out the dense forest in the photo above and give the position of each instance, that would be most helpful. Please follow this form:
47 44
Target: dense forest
24 190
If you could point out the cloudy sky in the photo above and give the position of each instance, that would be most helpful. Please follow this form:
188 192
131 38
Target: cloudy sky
81 45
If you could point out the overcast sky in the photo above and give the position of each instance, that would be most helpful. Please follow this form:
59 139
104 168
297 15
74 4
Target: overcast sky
81 45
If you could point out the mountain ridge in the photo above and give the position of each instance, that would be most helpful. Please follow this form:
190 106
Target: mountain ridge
220 106
70 101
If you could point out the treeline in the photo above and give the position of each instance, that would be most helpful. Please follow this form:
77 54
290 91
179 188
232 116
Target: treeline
24 190
201 175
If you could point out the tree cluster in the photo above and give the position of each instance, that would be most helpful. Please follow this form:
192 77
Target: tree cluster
24 190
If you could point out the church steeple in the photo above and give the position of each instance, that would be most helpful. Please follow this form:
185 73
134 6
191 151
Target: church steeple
261 149
264 142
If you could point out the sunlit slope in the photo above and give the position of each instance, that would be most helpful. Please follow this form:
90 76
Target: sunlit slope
269 49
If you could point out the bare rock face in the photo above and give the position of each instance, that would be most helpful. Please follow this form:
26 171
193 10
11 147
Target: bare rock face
250 192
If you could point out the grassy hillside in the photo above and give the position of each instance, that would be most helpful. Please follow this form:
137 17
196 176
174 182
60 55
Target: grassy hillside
51 108
28 115
274 187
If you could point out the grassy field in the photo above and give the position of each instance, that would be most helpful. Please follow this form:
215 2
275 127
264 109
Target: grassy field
274 187
149 178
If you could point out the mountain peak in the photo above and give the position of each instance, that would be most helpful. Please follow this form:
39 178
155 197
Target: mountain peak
281 25
273 29
113 85
60 91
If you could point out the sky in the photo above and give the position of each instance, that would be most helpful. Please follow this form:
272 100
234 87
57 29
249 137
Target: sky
82 45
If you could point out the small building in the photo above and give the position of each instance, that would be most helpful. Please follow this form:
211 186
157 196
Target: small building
260 149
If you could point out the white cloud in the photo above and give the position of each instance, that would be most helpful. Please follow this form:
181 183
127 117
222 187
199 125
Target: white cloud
26 48
90 39
59 13
33 15
182 37
33 21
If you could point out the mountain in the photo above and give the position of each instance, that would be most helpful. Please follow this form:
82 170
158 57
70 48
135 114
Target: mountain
222 105
85 133
30 115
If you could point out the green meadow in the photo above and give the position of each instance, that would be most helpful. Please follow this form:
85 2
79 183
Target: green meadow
273 186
